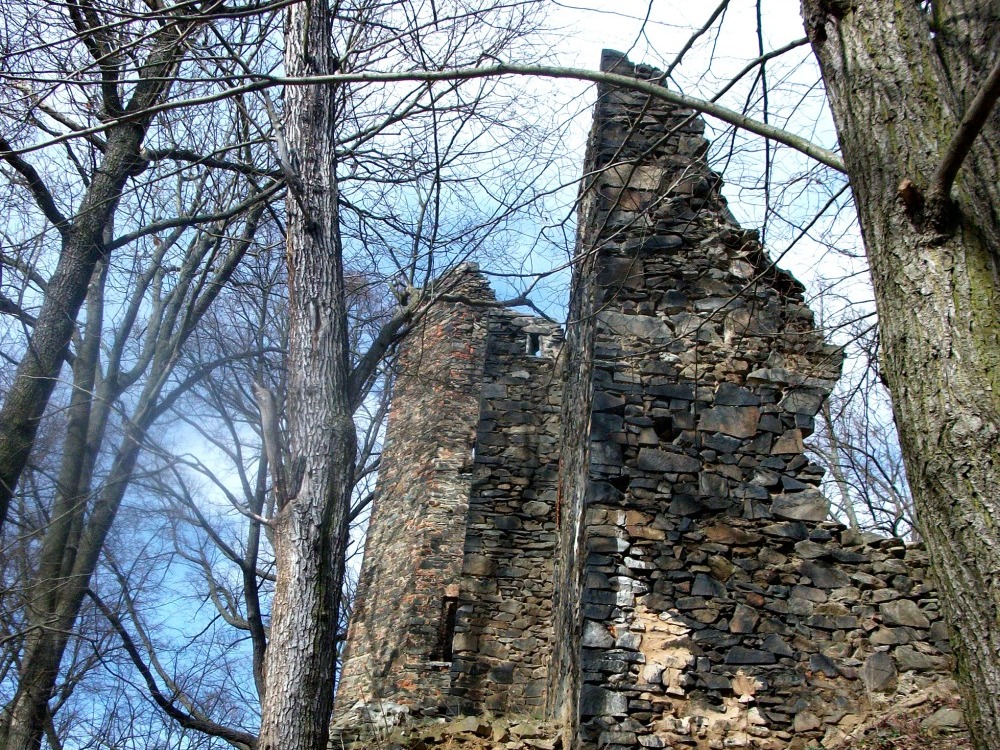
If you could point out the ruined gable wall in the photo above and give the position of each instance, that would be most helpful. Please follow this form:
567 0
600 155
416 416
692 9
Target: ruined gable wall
416 535
718 606
699 598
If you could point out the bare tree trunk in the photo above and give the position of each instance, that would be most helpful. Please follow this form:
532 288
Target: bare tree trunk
311 529
55 608
899 82
82 247
833 455
74 540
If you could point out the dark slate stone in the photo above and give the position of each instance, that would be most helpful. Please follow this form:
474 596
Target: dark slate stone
616 271
752 491
821 535
682 391
605 453
714 502
809 594
790 484
715 638
493 390
821 663
823 576
802 401
711 681
659 602
744 619
599 596
911 660
604 401
502 673
810 549
879 673
604 424
629 641
595 560
903 612
691 602
741 655
606 544
770 423
651 459
506 523
730 394
596 580
805 423
662 242
788 530
675 299
707 586
685 505
602 492
721 443
596 635
597 701
777 645
754 509
597 611
847 556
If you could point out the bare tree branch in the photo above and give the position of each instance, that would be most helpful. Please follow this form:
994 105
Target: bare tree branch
652 88
236 738
970 126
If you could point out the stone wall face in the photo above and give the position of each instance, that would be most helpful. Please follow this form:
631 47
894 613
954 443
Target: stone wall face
504 627
719 608
398 634
454 600
639 545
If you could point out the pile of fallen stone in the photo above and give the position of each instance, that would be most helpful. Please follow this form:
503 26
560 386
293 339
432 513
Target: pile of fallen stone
398 732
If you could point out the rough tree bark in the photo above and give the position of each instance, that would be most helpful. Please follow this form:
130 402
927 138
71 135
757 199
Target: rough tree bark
900 77
310 529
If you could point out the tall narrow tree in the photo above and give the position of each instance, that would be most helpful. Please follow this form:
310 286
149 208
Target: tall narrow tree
310 528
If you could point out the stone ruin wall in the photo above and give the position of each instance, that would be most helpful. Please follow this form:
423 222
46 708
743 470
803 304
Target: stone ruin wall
455 595
647 498
414 551
504 623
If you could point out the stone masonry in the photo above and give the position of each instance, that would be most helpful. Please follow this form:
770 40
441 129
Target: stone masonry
622 531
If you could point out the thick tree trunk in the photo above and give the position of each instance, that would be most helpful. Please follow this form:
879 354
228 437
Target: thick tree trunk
898 84
311 529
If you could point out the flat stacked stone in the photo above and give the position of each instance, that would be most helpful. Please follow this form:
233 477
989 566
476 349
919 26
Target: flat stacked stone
504 628
716 606
396 643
